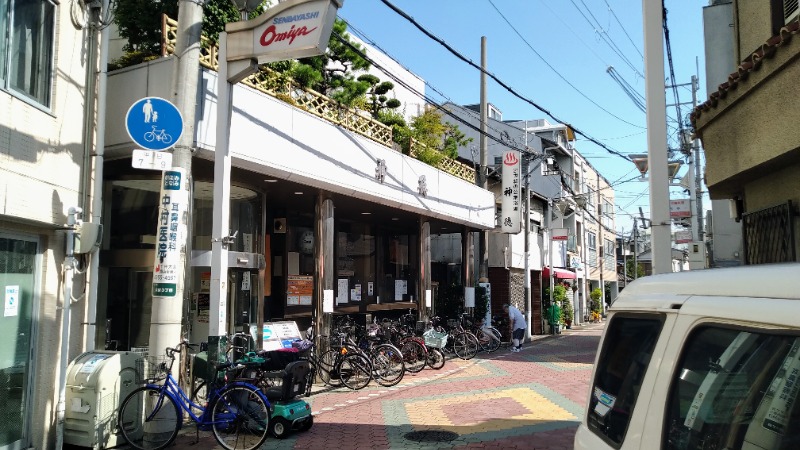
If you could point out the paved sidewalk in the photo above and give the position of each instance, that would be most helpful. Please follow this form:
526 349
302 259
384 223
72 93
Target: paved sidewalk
527 400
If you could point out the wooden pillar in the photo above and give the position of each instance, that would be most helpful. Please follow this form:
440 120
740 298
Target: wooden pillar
324 274
424 284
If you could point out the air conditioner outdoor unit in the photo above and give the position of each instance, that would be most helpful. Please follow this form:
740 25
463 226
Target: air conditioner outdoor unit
791 9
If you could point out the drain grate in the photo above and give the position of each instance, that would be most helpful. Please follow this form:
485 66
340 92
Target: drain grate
431 436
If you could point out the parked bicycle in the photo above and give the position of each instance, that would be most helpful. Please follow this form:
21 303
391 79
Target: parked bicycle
237 412
489 337
460 341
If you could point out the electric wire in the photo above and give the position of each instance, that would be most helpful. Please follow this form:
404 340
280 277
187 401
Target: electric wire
607 39
557 72
498 81
672 72
610 9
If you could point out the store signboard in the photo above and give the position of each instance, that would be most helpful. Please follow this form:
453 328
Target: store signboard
300 289
680 208
511 194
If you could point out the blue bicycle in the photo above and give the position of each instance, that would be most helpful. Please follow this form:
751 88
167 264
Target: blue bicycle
150 417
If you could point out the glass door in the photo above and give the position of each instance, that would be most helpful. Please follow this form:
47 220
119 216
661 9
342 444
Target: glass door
19 262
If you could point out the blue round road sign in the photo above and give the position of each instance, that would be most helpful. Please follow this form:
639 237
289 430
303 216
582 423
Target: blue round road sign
154 123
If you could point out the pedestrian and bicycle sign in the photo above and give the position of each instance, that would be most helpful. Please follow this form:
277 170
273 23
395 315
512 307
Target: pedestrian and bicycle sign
154 123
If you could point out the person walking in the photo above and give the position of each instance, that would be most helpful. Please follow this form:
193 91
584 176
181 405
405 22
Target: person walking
518 325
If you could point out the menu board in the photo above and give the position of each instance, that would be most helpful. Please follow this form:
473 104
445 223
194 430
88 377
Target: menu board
278 335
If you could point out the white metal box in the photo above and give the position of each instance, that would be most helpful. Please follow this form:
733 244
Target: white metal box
97 383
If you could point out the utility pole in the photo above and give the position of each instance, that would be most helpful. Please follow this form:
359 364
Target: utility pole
167 312
602 244
661 245
483 240
698 186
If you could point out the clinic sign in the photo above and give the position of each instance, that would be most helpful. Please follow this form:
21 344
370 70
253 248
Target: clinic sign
291 29
511 193
170 233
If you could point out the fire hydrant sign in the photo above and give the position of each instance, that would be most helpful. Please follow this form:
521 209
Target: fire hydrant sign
290 29
171 233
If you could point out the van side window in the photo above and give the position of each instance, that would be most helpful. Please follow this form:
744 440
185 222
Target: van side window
735 389
626 353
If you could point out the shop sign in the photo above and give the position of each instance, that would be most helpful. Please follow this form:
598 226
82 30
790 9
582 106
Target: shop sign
278 335
511 195
680 208
170 234
289 30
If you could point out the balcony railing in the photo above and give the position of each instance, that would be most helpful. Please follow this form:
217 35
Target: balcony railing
284 88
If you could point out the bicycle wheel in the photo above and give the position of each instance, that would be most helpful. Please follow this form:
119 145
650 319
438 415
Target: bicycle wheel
415 355
487 339
465 346
149 136
387 365
435 358
354 370
165 138
240 418
326 368
148 419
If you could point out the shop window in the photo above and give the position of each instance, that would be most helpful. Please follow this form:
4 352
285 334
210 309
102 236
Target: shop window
735 389
356 250
399 274
627 348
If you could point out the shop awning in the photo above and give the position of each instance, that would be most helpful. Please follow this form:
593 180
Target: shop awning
562 274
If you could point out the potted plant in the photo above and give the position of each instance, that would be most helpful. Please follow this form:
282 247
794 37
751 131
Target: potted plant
596 295
567 313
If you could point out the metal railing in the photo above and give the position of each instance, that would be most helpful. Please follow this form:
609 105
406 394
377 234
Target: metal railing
769 235
286 89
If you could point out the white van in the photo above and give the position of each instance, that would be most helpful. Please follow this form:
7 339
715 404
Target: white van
706 359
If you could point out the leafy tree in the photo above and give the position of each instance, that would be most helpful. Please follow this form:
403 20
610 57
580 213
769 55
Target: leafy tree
139 21
440 139
376 94
630 271
332 72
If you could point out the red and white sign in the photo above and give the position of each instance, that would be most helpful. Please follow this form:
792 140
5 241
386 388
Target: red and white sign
683 236
680 208
560 234
291 29
511 193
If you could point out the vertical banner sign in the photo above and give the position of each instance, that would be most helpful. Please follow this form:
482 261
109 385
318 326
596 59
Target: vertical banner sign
171 233
511 196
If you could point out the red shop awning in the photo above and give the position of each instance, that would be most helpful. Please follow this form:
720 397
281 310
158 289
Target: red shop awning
561 274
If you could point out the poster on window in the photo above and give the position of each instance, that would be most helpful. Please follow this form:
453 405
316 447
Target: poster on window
344 289
400 289
300 290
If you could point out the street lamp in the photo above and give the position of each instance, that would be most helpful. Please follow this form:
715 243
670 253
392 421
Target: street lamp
245 7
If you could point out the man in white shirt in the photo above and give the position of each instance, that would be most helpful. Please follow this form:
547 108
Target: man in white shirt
518 325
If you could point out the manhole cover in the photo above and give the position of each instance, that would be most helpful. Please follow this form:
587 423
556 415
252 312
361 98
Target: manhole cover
431 436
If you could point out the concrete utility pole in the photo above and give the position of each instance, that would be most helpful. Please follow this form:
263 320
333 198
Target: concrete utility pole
661 245
483 241
602 244
698 180
167 312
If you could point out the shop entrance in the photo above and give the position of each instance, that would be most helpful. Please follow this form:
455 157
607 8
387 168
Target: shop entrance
19 266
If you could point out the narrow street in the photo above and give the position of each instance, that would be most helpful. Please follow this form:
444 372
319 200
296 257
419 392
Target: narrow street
527 400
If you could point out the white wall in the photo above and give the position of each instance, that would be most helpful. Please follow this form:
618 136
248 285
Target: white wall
271 137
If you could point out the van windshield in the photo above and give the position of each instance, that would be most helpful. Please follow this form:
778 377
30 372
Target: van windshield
735 389
627 348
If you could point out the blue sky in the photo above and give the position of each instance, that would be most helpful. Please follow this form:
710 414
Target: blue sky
554 53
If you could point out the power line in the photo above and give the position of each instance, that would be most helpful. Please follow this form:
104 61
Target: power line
498 81
672 72
604 36
557 72
623 29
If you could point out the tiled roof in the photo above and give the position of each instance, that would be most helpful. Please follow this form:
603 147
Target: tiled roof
750 64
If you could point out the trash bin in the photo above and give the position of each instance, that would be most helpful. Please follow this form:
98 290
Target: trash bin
97 383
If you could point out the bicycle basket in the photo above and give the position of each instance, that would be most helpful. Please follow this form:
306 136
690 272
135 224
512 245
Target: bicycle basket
452 323
434 338
152 369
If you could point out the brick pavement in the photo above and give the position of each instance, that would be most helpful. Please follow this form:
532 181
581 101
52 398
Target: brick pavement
527 400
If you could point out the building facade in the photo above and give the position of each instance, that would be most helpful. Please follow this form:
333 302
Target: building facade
747 128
